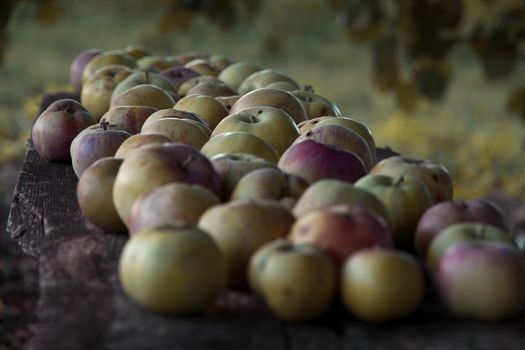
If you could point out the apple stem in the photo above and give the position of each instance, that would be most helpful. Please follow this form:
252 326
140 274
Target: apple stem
104 125
399 180
253 119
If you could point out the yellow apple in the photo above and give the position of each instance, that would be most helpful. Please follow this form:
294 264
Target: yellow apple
206 107
240 142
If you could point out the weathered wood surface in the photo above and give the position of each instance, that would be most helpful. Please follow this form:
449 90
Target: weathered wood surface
81 304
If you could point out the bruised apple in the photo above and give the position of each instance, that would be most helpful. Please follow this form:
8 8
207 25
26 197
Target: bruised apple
133 117
176 204
172 270
57 126
94 194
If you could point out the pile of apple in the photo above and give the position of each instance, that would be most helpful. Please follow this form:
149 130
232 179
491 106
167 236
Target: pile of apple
227 175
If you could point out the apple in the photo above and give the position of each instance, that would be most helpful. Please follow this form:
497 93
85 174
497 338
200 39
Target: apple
234 74
434 175
94 194
231 167
307 125
270 184
380 284
240 227
206 107
326 193
483 281
96 92
157 63
140 78
133 117
316 105
188 84
221 61
298 282
212 89
443 214
184 131
177 204
152 166
139 140
355 126
271 124
273 98
178 75
262 78
464 232
172 270
202 66
176 113
227 101
188 56
105 59
95 142
135 51
78 64
343 138
57 126
240 142
316 161
283 85
405 198
144 95
341 230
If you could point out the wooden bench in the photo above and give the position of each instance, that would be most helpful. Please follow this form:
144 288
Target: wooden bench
82 306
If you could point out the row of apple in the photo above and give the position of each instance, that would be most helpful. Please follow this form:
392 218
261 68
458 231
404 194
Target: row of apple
236 159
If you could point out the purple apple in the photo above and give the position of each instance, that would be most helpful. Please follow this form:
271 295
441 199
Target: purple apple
95 142
315 161
443 214
79 63
133 117
178 75
57 126
484 281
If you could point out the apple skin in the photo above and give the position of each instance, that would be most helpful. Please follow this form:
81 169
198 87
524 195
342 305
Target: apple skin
178 75
203 66
57 126
326 193
434 175
231 167
176 204
212 89
262 78
94 194
316 105
271 124
341 230
406 198
316 161
160 165
341 137
140 78
273 98
183 131
355 126
234 74
240 227
227 101
271 184
157 63
172 270
186 86
144 95
105 59
96 92
221 61
206 107
78 64
133 117
136 51
482 281
307 125
380 285
297 281
240 142
139 140
443 214
175 113
463 232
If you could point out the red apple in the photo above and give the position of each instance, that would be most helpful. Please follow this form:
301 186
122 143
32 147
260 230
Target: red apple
341 230
57 126
178 75
443 214
133 117
315 161
79 63
139 140
484 281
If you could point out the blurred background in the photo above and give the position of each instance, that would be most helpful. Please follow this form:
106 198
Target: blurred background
443 80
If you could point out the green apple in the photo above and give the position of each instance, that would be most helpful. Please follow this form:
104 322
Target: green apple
316 105
206 107
240 142
144 95
262 78
139 78
157 63
105 59
184 131
234 74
